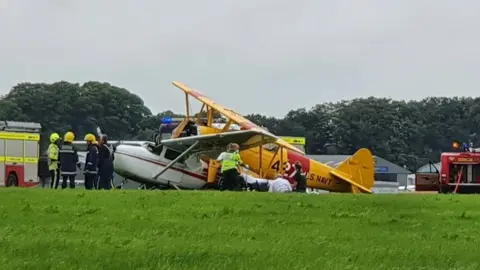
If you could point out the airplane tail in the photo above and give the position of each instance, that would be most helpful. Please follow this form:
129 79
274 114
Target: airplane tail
358 170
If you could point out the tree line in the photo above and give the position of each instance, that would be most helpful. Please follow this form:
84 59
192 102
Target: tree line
407 133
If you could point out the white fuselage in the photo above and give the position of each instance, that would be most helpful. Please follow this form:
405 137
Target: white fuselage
140 164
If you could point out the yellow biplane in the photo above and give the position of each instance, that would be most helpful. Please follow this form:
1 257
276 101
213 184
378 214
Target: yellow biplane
267 155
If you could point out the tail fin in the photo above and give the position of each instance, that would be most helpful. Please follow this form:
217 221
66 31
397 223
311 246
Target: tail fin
358 170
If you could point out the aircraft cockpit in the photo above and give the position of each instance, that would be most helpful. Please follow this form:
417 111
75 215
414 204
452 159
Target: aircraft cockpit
154 148
270 147
169 126
190 129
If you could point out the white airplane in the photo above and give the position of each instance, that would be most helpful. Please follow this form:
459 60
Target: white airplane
181 163
166 163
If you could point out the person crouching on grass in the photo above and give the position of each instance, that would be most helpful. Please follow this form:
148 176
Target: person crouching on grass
300 180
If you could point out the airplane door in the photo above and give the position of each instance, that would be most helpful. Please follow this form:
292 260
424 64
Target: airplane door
175 173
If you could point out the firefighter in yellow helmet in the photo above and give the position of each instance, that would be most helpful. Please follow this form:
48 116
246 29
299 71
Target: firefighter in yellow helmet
53 159
69 158
91 162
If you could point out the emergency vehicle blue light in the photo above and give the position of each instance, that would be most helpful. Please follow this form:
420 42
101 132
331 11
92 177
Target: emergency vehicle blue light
166 120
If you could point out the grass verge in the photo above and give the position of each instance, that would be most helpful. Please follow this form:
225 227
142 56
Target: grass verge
64 229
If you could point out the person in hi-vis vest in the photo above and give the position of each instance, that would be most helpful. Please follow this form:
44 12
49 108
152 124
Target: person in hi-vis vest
53 160
230 160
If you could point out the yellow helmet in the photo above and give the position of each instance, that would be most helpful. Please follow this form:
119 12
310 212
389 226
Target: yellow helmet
54 137
90 138
69 137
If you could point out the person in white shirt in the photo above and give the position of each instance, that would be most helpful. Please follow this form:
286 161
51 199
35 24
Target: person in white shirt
279 185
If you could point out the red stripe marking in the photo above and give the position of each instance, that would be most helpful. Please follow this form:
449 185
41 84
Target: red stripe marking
294 156
189 173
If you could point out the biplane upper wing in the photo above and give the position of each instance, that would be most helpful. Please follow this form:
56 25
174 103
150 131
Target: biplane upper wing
234 116
245 138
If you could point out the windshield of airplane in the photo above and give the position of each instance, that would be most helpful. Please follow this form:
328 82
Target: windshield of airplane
82 146
274 147
270 146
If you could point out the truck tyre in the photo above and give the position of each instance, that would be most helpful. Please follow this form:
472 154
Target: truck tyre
444 189
12 180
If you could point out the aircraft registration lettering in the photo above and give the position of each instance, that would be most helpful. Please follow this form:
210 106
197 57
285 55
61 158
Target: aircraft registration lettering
319 179
286 166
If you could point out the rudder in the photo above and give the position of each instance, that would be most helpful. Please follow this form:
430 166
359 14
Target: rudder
358 170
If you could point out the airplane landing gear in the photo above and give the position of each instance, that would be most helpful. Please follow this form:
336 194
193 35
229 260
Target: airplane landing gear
147 186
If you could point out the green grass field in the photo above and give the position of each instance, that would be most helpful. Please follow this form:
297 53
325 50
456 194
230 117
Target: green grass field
63 229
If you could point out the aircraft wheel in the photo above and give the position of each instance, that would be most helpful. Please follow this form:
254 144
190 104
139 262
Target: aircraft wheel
220 184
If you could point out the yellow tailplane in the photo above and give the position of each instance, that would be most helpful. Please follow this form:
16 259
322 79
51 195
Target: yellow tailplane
358 170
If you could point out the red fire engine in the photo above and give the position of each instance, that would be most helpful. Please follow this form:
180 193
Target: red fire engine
459 172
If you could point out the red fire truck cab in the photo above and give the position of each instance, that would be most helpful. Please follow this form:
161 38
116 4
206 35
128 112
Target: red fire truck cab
460 172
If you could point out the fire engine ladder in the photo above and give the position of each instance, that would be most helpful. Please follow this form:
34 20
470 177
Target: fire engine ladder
459 178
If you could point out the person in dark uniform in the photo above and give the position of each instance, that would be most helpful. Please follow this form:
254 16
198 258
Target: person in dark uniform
91 162
43 172
105 163
300 180
70 162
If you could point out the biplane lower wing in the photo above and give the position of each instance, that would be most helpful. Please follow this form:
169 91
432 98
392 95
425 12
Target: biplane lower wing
245 138
234 116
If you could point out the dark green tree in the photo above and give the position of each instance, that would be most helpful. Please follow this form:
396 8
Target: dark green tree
64 106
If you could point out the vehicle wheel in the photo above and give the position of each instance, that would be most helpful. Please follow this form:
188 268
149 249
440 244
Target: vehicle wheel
12 180
444 190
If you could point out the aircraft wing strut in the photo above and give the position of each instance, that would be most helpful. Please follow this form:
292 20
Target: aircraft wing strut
188 150
234 116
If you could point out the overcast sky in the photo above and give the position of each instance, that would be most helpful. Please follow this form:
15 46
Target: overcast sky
299 53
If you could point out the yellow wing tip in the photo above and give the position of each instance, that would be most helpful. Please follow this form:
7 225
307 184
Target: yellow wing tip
178 84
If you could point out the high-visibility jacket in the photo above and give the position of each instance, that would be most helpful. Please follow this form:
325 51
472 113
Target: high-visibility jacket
53 151
69 158
229 160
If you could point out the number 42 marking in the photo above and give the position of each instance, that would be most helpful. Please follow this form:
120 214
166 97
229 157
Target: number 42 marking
286 166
